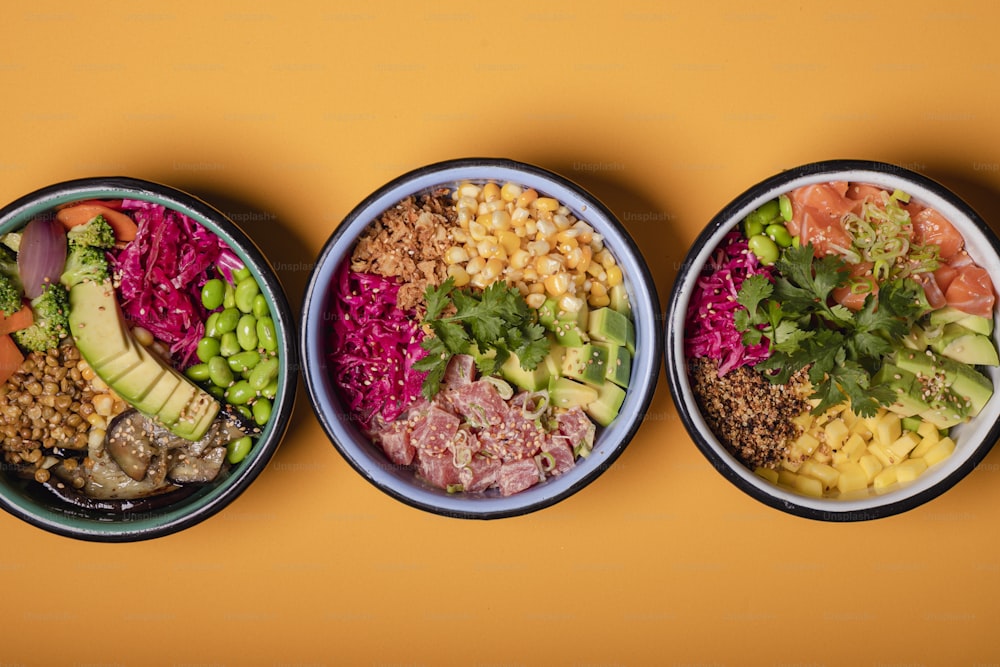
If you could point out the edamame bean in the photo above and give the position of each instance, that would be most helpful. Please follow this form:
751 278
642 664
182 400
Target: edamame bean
229 344
260 308
244 410
238 449
219 372
212 325
243 360
212 293
261 411
779 234
240 274
765 249
246 290
240 393
271 390
208 347
228 319
769 211
217 392
246 332
264 373
752 226
785 207
229 296
267 337
198 372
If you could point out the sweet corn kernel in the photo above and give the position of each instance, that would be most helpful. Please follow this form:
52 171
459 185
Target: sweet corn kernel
539 248
525 199
557 284
510 192
519 259
570 304
509 242
519 216
599 301
477 231
460 275
546 228
614 276
489 248
96 421
491 191
573 258
475 265
499 220
561 221
535 300
455 255
545 204
547 265
597 289
143 335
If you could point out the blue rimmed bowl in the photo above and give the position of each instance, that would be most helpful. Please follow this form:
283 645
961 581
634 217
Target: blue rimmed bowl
401 482
974 439
157 517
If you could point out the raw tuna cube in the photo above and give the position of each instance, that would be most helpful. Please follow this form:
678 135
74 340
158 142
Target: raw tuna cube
516 476
461 370
576 425
480 474
438 470
395 441
479 403
561 453
434 430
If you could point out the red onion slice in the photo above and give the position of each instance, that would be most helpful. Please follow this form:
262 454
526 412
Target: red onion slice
42 254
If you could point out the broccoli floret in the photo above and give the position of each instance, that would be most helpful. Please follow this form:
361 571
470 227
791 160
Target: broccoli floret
96 233
84 263
11 290
51 312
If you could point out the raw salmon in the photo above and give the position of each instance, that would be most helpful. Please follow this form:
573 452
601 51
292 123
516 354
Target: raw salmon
971 291
816 214
929 226
932 289
854 297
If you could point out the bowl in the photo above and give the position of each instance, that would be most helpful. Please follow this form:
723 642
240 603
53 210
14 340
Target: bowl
882 497
398 479
57 507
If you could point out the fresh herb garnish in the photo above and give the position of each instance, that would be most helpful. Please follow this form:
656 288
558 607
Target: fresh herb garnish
490 325
841 348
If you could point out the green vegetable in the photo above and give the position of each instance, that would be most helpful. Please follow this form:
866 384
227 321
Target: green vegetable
219 372
246 332
238 449
240 392
11 290
84 263
51 314
494 322
228 319
246 290
261 411
765 249
212 293
842 349
208 347
95 233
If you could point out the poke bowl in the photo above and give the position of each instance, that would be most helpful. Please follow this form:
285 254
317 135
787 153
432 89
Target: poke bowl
830 340
146 354
479 338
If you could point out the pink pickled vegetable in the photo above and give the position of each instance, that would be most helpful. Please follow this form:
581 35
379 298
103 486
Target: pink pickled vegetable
41 255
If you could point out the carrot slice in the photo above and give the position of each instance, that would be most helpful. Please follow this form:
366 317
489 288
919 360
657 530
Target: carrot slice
21 319
79 214
10 357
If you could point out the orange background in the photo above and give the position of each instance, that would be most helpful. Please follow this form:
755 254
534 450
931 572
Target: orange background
286 114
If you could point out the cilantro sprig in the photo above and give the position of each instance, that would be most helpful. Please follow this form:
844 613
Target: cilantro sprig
490 325
841 348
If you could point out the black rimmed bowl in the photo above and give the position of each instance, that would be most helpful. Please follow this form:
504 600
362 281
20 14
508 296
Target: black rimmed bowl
126 521
400 482
973 439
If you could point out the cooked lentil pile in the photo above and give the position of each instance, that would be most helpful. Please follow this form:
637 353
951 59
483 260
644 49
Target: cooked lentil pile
409 242
751 417
45 405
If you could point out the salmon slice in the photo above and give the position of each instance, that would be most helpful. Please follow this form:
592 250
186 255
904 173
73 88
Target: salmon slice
929 226
826 233
853 297
932 289
944 275
971 291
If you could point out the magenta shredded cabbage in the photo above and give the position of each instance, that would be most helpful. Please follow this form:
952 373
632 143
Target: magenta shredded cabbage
709 327
161 273
373 346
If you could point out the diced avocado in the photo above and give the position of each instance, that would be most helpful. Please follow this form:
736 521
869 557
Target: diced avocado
553 360
547 313
916 339
566 393
946 411
197 416
977 324
587 363
630 337
952 390
608 325
619 300
140 380
99 339
571 327
970 384
533 380
972 348
904 385
608 403
946 315
619 367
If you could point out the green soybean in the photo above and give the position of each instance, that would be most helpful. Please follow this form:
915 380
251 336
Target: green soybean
219 372
271 390
198 372
212 293
229 296
240 393
264 373
752 226
246 290
240 274
261 411
765 249
208 347
244 410
217 392
238 449
212 325
260 308
246 332
769 211
229 344
785 207
243 360
228 319
267 337
779 234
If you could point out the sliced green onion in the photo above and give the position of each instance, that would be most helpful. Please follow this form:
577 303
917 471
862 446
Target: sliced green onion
540 407
547 461
455 488
502 387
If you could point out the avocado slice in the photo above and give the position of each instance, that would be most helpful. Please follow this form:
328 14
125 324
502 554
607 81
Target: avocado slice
533 380
609 402
608 325
904 385
619 300
587 363
971 348
571 327
100 339
567 393
619 366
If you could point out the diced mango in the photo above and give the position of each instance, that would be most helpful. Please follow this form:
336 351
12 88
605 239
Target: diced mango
827 475
903 445
787 478
770 474
836 433
884 457
888 428
855 447
805 444
871 465
928 430
884 479
809 486
923 446
862 428
940 451
910 469
852 477
839 457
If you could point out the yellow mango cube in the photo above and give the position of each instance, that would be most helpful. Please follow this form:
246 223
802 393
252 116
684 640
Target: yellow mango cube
862 428
888 429
805 444
885 457
852 477
803 421
924 446
809 486
855 447
839 457
928 430
871 465
903 445
939 452
827 475
910 469
787 478
884 480
770 474
836 433
849 418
